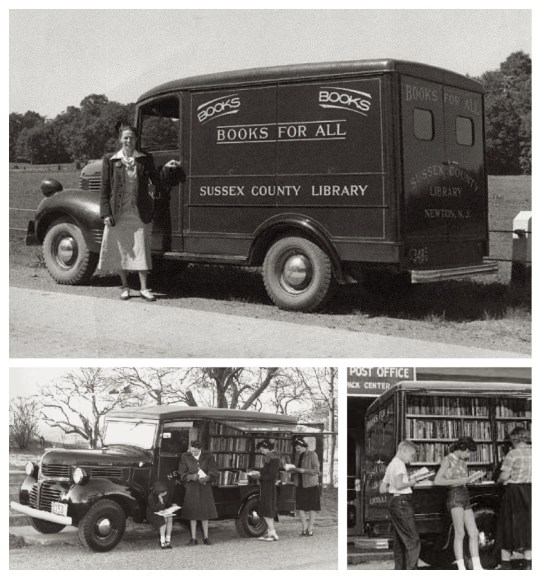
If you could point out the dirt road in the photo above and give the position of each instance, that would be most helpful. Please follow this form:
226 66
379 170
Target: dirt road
51 324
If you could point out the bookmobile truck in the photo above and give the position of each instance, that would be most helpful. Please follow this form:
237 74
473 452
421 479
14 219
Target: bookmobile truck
97 490
321 174
432 415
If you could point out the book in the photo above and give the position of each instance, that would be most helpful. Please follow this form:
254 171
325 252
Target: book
475 476
168 512
422 474
289 467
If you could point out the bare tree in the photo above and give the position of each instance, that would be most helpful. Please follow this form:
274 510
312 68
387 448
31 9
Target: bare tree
78 403
321 384
23 421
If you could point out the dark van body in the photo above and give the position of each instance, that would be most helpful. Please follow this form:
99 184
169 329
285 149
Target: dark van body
97 490
320 173
432 415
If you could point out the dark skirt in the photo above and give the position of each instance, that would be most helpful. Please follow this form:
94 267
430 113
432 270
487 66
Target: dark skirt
156 521
198 503
514 528
308 499
268 499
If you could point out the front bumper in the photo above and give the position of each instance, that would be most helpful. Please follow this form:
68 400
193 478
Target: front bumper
44 515
431 275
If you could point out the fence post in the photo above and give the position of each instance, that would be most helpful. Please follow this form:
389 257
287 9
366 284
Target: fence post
521 248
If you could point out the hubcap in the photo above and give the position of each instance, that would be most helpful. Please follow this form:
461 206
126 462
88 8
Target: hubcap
104 527
297 272
66 251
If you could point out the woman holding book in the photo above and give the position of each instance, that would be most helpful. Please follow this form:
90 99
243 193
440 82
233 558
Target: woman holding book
514 531
267 477
159 501
198 470
453 473
306 480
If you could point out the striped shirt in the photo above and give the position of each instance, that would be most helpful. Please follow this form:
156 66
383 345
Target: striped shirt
518 462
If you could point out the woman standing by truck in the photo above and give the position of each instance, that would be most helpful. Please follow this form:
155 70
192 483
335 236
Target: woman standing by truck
306 479
267 478
126 209
453 473
514 530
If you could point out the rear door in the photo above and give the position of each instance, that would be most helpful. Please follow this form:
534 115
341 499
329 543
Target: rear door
445 221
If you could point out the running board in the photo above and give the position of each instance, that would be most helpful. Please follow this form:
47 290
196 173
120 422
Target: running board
431 275
205 258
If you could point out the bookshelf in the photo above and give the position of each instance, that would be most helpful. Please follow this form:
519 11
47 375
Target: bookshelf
235 451
432 422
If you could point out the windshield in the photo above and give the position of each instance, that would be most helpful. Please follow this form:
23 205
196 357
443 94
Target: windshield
140 434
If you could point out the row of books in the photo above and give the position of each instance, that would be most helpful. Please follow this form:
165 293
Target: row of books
242 461
224 443
435 451
447 405
281 445
516 408
449 429
232 477
505 428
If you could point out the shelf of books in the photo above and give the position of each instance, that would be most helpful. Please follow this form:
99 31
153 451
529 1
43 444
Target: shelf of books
433 422
236 455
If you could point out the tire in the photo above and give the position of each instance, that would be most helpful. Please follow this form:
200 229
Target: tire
66 254
102 527
249 523
45 527
297 274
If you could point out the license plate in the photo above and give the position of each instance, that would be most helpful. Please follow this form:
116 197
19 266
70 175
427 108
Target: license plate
59 508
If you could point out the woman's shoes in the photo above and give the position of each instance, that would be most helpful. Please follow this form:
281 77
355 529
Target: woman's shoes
309 533
206 541
192 542
303 533
148 295
272 537
165 545
125 295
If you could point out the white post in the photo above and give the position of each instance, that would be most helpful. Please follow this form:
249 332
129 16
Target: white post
521 248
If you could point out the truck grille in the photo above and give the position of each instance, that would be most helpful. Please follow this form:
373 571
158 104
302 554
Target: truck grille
56 470
41 496
90 183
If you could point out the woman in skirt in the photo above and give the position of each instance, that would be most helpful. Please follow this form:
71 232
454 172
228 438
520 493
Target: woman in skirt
267 478
198 470
306 479
126 209
514 530
453 473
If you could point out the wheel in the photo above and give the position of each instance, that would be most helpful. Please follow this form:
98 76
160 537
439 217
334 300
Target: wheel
45 527
486 521
66 254
250 523
297 274
103 526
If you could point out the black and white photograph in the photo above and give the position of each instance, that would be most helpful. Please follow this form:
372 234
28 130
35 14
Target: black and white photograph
215 183
439 468
173 468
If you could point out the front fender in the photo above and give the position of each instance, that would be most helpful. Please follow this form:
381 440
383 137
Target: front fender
81 497
24 491
75 205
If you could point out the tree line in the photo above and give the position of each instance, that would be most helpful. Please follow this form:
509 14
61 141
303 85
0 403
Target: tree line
87 132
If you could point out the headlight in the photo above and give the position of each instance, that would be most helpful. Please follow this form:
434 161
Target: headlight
79 476
31 468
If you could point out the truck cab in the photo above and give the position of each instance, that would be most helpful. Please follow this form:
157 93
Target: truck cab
97 490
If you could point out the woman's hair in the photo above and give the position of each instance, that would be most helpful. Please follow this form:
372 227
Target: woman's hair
121 127
520 434
299 441
463 443
195 444
265 444
157 489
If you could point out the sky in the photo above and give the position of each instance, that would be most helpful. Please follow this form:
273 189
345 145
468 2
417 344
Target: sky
58 57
